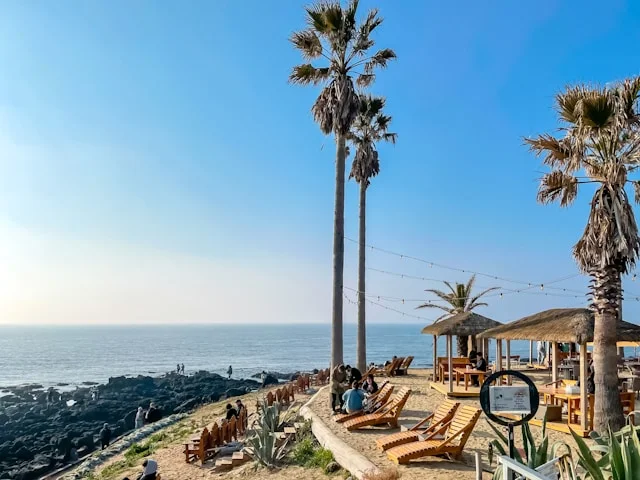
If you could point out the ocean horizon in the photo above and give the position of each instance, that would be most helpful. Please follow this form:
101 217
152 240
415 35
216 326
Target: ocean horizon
52 355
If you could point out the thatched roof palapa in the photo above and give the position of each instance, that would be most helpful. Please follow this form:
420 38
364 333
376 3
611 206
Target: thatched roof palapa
467 323
559 325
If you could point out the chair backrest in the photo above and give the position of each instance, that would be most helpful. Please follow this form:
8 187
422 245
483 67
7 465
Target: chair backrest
232 431
270 399
464 420
393 366
399 401
383 394
444 411
292 395
214 436
628 402
224 429
204 441
407 363
279 395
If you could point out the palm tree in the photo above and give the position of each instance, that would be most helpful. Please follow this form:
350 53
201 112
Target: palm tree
458 301
600 129
333 34
370 127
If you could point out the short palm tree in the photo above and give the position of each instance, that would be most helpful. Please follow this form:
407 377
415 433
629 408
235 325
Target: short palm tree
600 138
459 300
370 127
334 35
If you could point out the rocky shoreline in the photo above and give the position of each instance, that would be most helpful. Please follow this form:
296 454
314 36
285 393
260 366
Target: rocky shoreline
42 431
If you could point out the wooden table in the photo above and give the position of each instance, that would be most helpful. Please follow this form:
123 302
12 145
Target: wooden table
560 394
467 373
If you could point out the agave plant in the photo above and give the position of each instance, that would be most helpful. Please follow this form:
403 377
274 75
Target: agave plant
535 455
263 440
619 457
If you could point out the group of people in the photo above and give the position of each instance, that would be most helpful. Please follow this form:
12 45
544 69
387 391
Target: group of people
353 399
180 369
235 412
152 415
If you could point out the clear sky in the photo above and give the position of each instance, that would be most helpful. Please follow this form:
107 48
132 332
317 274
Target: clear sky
156 166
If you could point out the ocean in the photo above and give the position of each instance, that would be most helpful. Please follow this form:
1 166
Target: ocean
72 355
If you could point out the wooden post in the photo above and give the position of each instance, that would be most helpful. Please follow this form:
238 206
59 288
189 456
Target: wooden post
435 358
554 361
508 355
584 403
449 344
499 356
531 352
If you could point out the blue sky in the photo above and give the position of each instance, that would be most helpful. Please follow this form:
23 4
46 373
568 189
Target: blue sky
157 167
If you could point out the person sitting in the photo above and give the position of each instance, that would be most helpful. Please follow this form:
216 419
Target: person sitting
231 412
153 414
473 357
149 472
370 386
481 365
105 436
352 398
353 374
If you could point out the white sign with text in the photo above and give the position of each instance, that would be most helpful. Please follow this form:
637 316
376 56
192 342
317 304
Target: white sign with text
512 399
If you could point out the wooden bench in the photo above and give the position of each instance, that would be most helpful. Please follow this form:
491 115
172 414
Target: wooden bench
443 366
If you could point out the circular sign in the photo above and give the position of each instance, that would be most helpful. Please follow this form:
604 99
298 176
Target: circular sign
486 398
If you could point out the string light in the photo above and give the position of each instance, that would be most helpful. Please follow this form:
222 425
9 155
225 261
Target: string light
447 267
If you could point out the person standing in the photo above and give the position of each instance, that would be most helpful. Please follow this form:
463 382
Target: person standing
105 436
178 368
541 352
229 371
353 374
139 418
338 377
182 368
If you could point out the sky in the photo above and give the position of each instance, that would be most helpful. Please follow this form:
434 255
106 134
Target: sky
157 167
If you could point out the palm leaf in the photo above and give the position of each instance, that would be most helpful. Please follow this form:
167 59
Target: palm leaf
379 59
558 185
308 43
308 74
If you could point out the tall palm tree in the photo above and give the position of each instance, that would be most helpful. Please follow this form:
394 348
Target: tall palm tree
459 300
370 127
600 145
334 35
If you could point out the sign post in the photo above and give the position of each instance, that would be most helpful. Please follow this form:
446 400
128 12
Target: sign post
497 400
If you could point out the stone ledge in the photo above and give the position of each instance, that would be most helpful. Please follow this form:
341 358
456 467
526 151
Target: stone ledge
348 458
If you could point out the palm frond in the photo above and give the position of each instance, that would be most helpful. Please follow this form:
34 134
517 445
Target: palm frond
557 152
480 295
307 74
474 305
434 305
596 110
365 80
308 43
379 59
439 293
316 19
390 137
558 185
363 40
567 101
469 285
636 191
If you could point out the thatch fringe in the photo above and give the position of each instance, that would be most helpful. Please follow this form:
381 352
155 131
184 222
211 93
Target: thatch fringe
467 323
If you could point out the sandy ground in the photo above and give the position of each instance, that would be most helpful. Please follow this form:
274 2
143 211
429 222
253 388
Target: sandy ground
423 401
171 457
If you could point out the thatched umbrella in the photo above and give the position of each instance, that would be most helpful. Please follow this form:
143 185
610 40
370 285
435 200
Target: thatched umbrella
562 325
466 324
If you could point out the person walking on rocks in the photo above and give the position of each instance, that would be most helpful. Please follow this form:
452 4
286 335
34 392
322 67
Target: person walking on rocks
178 368
140 418
229 371
182 368
105 436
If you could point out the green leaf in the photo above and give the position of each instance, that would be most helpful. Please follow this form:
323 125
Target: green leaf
615 453
586 458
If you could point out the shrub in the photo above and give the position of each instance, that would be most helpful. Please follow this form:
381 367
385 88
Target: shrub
303 451
321 458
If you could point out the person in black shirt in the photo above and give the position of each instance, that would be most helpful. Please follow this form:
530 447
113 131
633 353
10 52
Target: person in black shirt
105 436
481 364
370 386
153 414
353 375
473 357
231 412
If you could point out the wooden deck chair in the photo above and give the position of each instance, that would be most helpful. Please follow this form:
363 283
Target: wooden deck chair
241 424
307 382
300 384
224 432
379 398
388 414
279 395
292 396
429 425
456 433
270 398
390 369
404 368
196 450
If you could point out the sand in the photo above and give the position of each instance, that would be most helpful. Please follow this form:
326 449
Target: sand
422 401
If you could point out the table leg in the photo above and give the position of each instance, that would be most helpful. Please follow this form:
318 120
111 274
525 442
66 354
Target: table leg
466 382
457 379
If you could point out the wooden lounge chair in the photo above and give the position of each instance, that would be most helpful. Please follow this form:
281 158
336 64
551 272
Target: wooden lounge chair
404 367
390 369
388 414
442 415
379 398
456 433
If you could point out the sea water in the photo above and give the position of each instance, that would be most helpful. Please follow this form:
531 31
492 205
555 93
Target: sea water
63 354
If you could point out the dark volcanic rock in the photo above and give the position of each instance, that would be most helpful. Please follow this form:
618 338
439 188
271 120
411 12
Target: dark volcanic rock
278 375
235 392
34 429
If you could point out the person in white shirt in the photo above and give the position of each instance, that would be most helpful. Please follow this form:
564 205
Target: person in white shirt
541 352
150 470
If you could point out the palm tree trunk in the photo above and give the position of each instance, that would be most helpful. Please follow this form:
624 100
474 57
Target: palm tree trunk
361 346
338 255
606 288
463 343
